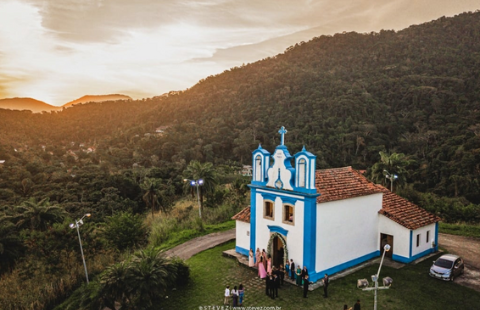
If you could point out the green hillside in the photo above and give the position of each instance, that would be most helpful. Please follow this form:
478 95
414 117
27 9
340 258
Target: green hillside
346 97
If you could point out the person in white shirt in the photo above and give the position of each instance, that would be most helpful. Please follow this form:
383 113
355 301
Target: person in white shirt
227 295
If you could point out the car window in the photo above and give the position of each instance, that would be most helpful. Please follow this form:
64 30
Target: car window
443 263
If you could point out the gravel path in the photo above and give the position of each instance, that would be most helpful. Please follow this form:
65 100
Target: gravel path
197 245
469 249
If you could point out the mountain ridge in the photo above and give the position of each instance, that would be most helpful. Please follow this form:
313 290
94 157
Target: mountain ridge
26 103
38 106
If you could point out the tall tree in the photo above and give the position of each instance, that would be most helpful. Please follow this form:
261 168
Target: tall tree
151 188
389 166
158 193
196 171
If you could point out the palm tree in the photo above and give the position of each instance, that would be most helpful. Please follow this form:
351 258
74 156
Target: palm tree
150 186
394 164
138 283
38 215
157 193
149 275
195 171
113 285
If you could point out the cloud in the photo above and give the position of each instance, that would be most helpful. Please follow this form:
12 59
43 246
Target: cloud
61 50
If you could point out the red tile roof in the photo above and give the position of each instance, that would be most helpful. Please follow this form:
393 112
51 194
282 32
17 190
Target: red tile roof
404 212
243 215
342 183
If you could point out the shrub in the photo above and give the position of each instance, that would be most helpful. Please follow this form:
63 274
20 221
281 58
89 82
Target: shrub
125 230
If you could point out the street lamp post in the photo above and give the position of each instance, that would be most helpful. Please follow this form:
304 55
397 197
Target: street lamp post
77 225
387 281
197 184
391 177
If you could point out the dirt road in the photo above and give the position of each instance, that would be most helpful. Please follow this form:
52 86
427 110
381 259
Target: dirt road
197 245
469 249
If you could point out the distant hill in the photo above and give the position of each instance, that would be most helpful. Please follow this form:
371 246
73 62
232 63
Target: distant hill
97 98
31 104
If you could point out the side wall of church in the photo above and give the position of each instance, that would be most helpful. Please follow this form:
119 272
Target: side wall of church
347 232
401 236
424 246
242 234
294 234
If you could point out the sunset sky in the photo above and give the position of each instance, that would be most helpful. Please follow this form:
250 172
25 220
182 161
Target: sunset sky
59 50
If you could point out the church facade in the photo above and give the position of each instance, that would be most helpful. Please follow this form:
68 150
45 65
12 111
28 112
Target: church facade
327 220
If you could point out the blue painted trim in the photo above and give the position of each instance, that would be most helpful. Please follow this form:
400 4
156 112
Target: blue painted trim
407 260
310 233
317 276
278 229
259 183
305 190
261 151
253 219
411 244
242 251
401 259
268 196
288 200
436 237
278 183
280 191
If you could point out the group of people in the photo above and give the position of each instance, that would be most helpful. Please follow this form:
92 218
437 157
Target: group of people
355 307
235 294
275 277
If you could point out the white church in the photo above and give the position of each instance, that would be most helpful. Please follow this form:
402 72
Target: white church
327 220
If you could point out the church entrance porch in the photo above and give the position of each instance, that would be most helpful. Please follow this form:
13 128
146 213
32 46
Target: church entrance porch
277 249
386 239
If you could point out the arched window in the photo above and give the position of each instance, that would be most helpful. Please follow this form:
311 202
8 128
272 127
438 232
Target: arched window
301 172
288 214
268 210
258 168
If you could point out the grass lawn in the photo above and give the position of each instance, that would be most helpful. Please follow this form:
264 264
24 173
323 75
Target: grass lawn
412 288
460 229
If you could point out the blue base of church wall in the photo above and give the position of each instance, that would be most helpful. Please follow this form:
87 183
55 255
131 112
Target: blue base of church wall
406 260
242 251
314 277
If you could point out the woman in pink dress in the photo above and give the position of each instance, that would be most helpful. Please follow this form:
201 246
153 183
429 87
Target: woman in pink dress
257 257
250 259
262 273
269 265
264 256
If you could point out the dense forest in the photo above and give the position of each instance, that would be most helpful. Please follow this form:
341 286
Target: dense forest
352 99
346 97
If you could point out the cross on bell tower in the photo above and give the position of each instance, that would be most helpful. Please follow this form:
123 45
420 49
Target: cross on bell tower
282 132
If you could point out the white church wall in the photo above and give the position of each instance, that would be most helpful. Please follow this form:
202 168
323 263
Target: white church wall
295 232
423 245
401 236
242 234
347 232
